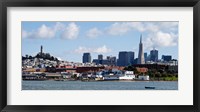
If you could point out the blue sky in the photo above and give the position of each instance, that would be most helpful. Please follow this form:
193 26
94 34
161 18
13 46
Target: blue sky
68 40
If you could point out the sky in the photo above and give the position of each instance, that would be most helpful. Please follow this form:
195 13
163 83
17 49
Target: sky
69 40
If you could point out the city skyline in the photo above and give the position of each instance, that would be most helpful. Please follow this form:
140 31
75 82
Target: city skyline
69 40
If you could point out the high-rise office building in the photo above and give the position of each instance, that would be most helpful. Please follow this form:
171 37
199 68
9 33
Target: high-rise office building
130 57
125 58
111 60
122 58
145 56
166 57
154 55
140 53
100 57
86 58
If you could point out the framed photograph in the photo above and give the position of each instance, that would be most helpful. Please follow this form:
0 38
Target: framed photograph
63 55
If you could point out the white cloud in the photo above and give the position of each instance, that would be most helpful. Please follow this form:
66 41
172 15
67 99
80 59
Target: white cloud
159 34
102 49
160 39
151 27
71 31
138 26
59 26
169 26
94 32
124 27
120 28
43 31
81 49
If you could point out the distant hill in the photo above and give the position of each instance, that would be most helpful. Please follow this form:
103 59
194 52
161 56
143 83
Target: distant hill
41 55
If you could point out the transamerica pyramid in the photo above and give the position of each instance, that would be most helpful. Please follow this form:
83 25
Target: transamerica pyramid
140 53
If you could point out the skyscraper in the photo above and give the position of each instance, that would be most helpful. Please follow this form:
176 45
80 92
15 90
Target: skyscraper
100 58
130 57
122 58
86 58
140 53
154 55
145 56
125 58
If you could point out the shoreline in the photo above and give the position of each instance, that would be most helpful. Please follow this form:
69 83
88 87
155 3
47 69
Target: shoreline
108 80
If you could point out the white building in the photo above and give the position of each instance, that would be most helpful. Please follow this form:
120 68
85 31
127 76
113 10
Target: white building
111 77
128 75
143 77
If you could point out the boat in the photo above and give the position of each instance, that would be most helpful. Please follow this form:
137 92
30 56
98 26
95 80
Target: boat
149 87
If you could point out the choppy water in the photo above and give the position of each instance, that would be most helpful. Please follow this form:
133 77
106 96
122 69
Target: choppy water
99 85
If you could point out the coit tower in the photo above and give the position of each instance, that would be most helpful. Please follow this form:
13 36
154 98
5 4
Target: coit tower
41 49
140 53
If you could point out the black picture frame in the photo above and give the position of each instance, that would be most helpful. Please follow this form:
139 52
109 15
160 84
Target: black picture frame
99 3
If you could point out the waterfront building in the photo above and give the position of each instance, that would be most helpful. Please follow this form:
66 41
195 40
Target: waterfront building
166 57
141 77
154 55
128 75
111 77
86 58
140 53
